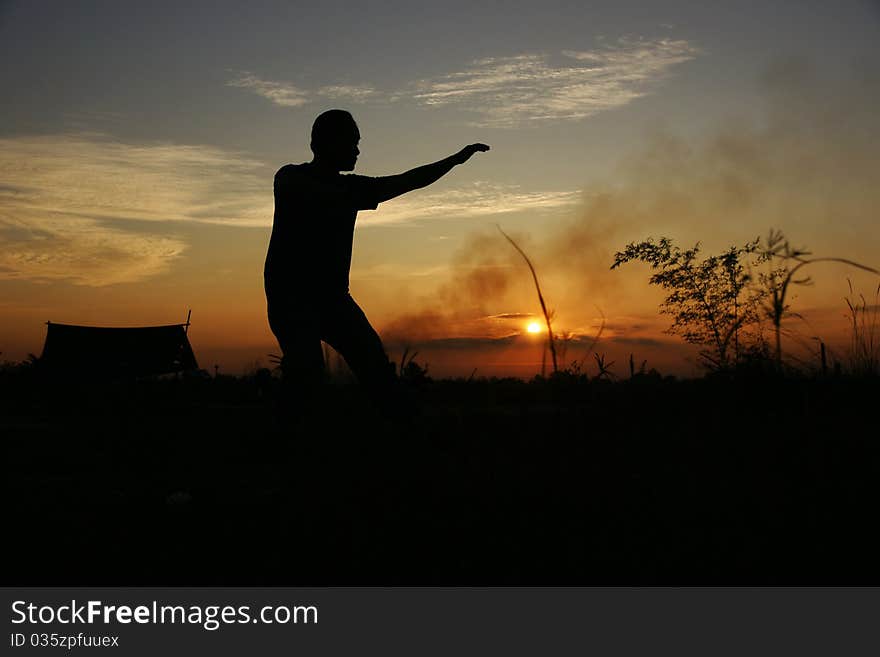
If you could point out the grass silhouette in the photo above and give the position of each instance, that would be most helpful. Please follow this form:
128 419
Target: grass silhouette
864 351
547 314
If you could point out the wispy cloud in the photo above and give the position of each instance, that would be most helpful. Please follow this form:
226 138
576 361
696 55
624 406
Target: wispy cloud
478 199
347 91
505 316
287 94
81 251
515 90
529 88
280 93
62 196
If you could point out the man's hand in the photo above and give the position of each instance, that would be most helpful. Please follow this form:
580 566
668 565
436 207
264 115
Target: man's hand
465 153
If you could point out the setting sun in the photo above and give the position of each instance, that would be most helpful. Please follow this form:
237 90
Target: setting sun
533 327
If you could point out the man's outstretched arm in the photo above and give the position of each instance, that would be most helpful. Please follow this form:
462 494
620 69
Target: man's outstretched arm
391 186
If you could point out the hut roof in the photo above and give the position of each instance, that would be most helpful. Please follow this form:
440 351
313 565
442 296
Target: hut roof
133 351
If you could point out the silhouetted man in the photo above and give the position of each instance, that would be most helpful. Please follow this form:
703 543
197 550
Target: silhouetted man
309 257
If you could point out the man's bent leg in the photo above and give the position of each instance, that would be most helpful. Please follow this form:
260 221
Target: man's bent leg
348 331
346 328
302 362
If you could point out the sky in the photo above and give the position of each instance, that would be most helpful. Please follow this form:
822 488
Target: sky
138 143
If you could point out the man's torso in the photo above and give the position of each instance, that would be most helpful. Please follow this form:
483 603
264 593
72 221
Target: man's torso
309 254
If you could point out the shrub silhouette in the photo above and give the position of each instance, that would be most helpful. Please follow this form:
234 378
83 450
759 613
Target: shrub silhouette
709 299
717 302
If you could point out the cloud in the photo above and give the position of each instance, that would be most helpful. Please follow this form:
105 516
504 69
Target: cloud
642 341
526 88
513 316
531 88
280 93
91 175
469 343
62 198
286 94
82 252
347 91
477 199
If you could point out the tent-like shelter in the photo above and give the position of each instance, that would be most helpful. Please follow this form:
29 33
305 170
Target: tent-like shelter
97 351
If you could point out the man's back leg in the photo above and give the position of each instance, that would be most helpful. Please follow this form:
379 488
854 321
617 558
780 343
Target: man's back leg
302 363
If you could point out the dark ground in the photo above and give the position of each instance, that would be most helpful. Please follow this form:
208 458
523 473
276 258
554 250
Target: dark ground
186 482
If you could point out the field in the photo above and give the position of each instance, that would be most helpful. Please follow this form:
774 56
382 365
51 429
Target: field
763 480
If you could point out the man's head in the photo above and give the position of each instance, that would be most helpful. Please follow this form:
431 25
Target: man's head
335 137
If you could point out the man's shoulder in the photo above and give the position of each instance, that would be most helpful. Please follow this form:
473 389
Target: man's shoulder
291 179
290 170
